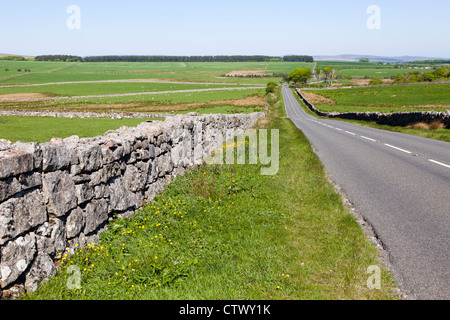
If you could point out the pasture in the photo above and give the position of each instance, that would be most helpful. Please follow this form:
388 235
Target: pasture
370 70
104 88
124 87
41 129
423 97
45 72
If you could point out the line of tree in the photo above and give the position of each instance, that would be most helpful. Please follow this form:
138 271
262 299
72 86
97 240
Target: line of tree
441 74
294 58
59 57
431 62
13 58
235 58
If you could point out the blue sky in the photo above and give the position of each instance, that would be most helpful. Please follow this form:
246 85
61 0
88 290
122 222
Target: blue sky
196 27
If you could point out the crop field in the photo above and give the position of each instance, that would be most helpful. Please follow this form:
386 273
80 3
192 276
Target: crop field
387 99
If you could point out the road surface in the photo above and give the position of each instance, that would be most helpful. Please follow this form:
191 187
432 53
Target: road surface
400 184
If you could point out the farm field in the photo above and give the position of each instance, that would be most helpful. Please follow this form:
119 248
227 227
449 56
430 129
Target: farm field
371 69
11 68
171 71
386 99
41 129
95 88
125 87
246 100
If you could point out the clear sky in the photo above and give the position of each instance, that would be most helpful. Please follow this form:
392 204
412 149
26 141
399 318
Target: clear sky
198 27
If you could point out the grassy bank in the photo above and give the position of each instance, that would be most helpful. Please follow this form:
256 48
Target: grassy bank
227 232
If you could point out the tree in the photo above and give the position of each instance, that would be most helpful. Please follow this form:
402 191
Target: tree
329 73
300 75
375 82
271 86
440 73
364 60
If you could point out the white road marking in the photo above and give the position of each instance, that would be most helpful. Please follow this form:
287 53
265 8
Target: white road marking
397 148
439 163
373 140
370 139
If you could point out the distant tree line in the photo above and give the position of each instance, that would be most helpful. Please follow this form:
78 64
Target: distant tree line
59 57
298 59
441 74
235 58
431 62
13 58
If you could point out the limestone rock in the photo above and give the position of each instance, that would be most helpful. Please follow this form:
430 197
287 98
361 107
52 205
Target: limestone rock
15 162
16 257
55 156
59 191
121 197
51 237
84 193
20 214
95 214
41 270
74 223
90 157
32 148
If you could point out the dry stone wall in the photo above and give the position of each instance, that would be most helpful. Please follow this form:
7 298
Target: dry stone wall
392 119
60 194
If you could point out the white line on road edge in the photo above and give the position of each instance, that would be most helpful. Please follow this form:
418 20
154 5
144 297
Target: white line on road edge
439 163
353 134
402 150
369 139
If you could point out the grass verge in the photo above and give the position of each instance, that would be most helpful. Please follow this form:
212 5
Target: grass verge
227 232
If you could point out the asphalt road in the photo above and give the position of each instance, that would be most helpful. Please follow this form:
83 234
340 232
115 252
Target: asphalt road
400 184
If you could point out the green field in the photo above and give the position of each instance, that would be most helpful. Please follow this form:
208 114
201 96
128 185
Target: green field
9 69
81 89
49 79
387 99
165 102
43 129
371 69
192 72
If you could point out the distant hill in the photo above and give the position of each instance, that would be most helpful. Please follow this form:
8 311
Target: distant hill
18 55
357 57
